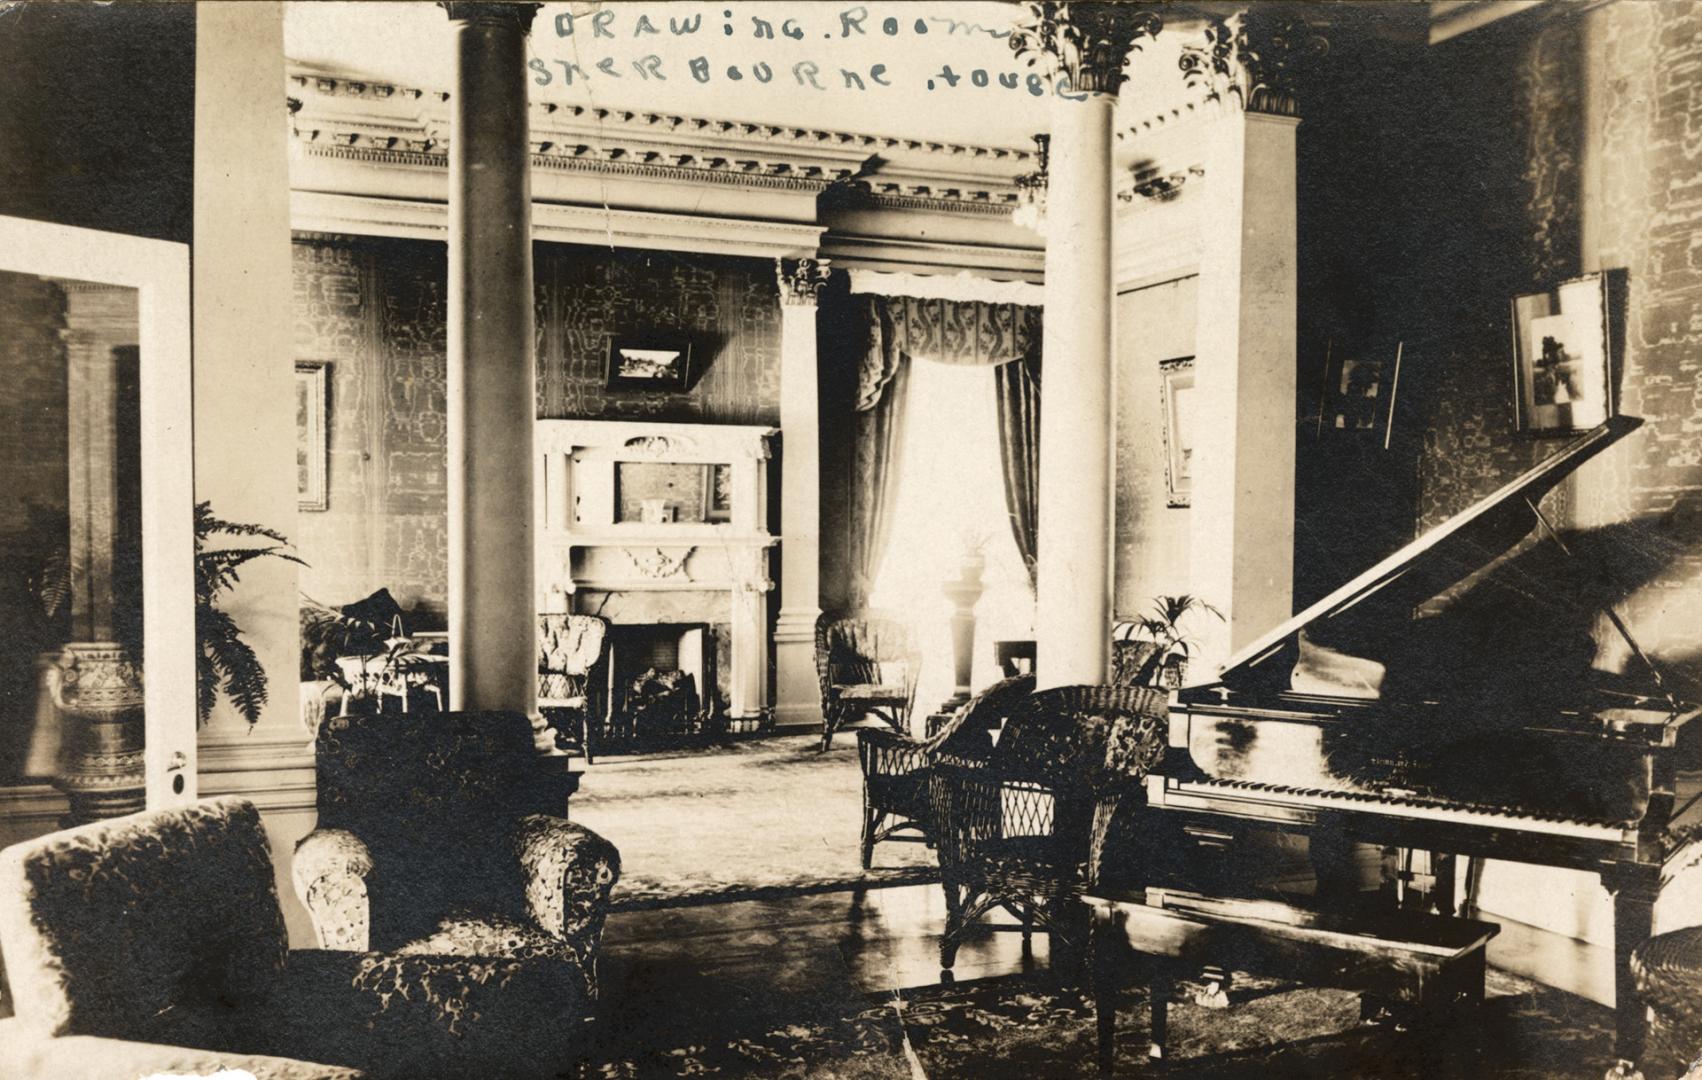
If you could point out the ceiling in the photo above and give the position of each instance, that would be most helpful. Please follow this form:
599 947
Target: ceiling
410 44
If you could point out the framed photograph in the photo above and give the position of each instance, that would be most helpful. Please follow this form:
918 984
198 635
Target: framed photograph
312 446
718 493
1562 377
1176 390
1358 395
655 363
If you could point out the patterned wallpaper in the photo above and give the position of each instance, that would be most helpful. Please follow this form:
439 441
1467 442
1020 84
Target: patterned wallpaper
729 307
375 309
1607 127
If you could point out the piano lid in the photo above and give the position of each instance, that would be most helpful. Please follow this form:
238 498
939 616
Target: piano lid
1389 591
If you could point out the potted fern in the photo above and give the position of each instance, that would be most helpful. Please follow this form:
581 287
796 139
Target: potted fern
225 662
1163 625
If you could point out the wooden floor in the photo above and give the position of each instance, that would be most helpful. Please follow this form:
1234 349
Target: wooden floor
724 960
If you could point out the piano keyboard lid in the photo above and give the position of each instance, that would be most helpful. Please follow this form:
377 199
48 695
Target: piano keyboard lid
1387 594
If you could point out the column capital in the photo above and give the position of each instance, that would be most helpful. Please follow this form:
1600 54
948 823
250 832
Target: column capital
801 280
1088 42
491 12
1256 57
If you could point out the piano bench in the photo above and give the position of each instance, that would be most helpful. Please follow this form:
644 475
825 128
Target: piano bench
1436 963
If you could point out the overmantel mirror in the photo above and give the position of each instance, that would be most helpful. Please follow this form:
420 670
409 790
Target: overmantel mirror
97 591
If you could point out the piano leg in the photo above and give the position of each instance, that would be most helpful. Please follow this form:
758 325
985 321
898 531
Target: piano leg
1634 888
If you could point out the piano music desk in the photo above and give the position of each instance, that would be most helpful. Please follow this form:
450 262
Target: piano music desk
1434 962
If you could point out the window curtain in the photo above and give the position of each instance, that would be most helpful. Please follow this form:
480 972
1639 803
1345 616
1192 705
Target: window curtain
947 332
1016 389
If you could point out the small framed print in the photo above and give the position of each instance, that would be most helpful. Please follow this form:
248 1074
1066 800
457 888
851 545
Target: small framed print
1562 376
718 493
1176 389
312 444
653 363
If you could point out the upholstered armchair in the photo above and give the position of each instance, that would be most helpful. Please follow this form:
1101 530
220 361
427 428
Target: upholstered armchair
868 664
569 646
154 943
437 836
895 766
1025 831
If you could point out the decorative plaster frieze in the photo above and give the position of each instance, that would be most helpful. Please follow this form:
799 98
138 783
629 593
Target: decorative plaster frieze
375 124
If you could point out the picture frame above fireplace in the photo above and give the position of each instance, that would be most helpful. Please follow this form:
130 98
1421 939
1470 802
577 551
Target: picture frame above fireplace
648 363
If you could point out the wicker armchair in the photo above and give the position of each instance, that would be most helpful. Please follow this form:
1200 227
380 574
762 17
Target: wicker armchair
569 646
855 655
895 766
1668 971
1025 832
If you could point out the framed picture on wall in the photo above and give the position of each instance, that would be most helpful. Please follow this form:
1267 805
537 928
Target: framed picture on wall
1562 379
718 493
649 363
312 444
1176 391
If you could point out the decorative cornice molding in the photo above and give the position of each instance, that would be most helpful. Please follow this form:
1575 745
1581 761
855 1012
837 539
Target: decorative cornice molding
377 124
801 280
1256 57
1088 42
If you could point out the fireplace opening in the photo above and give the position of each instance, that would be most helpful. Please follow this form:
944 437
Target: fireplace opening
662 683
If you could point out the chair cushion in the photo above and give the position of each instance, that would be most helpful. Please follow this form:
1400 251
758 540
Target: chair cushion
873 695
466 933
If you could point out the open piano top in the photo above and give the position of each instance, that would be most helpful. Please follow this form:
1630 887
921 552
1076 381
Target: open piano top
1489 697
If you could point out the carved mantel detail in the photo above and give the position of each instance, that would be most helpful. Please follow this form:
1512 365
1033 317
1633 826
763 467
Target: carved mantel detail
659 563
801 280
1257 58
1089 43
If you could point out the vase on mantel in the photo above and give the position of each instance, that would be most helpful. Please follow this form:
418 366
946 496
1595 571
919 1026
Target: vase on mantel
98 691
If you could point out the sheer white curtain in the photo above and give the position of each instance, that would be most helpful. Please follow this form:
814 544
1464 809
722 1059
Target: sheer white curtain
950 488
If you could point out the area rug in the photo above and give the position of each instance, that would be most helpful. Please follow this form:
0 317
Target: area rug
753 819
1027 1028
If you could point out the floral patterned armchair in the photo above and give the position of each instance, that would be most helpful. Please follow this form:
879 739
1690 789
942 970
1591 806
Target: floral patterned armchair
569 646
154 943
437 836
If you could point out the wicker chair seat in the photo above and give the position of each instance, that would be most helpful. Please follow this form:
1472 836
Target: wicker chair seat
874 695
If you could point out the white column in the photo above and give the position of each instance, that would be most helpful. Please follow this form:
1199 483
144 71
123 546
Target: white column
245 427
1243 508
797 690
1073 605
493 623
1085 47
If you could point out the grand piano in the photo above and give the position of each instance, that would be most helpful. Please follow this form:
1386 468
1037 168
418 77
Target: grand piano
1449 700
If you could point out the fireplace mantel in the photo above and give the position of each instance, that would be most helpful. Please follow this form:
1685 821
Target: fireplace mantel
586 550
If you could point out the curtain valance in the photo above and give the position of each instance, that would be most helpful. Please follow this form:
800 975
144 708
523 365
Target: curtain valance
944 331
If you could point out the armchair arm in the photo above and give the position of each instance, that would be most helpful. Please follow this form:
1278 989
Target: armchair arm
568 871
330 871
885 752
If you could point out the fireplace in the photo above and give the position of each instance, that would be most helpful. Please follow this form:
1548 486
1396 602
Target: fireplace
662 529
662 682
